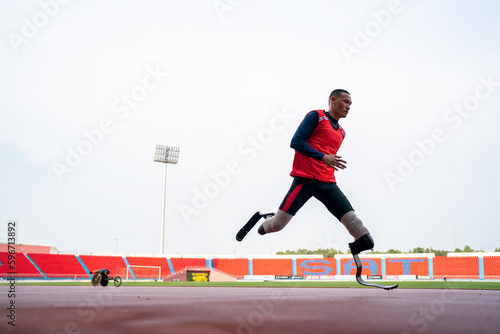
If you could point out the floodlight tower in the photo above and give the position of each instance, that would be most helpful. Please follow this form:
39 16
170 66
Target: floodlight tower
167 155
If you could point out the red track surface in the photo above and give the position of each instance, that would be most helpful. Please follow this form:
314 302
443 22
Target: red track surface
206 310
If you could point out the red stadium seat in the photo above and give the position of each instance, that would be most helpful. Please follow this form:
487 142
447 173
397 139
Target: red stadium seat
23 267
149 262
59 265
115 264
179 263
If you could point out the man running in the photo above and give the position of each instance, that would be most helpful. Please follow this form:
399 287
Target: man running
316 143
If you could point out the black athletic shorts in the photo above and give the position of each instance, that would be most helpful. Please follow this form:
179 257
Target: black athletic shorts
329 194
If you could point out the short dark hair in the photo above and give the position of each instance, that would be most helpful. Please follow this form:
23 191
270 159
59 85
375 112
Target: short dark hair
336 93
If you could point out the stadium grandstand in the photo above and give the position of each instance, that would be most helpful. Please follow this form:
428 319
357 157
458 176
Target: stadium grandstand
41 262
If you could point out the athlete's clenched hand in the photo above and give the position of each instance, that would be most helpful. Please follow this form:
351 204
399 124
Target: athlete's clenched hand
334 161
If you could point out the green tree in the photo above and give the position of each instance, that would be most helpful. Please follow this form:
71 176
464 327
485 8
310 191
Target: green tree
468 249
394 251
329 252
497 249
440 253
458 250
436 252
420 250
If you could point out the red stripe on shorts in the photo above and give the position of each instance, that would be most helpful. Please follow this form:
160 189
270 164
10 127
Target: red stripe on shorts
291 198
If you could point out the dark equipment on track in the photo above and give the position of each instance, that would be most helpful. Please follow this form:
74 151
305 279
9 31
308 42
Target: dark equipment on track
102 277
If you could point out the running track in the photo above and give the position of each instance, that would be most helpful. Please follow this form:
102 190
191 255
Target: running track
207 310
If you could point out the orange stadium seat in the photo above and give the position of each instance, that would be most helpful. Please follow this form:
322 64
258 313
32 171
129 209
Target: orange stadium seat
416 266
23 267
235 267
491 267
466 267
321 266
371 266
272 267
59 265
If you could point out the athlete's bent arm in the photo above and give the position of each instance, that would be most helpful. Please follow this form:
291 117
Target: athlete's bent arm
303 132
334 161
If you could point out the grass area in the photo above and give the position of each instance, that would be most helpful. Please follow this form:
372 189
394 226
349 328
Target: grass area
468 285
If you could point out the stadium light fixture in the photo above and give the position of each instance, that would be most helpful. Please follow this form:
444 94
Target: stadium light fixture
166 155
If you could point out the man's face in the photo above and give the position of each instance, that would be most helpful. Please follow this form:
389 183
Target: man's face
339 107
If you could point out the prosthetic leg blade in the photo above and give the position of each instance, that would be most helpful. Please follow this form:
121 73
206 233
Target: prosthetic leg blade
362 282
251 223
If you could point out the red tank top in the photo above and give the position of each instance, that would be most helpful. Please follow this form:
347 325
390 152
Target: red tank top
324 139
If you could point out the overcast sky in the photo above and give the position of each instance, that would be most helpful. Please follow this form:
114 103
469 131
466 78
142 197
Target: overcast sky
89 88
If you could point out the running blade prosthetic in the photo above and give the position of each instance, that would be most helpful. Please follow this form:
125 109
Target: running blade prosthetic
362 282
251 223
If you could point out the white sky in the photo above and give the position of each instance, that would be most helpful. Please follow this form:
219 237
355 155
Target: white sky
223 76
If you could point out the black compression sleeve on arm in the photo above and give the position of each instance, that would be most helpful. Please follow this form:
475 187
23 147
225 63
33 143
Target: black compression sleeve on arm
303 132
